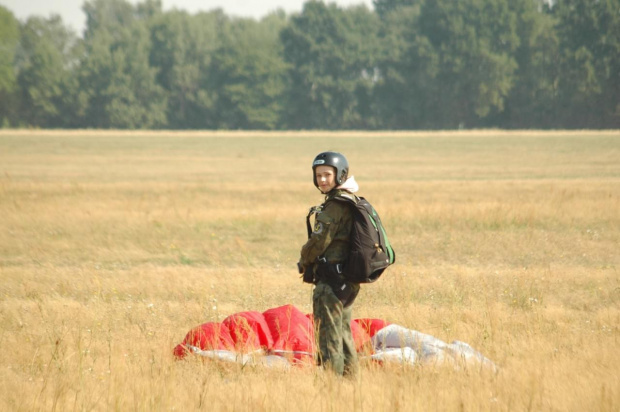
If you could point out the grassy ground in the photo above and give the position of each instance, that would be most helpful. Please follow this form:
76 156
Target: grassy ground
113 245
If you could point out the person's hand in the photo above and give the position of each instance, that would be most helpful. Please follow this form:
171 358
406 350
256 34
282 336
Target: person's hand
300 268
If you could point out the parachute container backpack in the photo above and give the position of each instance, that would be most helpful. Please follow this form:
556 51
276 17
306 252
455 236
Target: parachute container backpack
371 252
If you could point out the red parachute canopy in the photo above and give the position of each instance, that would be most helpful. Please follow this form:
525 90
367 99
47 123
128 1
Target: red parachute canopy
284 330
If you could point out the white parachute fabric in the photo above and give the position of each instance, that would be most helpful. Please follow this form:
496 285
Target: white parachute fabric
395 343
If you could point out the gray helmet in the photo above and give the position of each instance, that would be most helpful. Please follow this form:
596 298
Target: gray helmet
335 160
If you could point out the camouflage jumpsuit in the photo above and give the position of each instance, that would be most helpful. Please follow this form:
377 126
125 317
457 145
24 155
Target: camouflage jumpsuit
332 314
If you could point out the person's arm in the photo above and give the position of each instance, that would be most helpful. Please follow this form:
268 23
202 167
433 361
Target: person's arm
324 228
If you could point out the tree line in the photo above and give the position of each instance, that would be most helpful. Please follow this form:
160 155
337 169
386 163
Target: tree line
405 64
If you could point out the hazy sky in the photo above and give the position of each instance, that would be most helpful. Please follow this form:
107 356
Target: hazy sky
72 14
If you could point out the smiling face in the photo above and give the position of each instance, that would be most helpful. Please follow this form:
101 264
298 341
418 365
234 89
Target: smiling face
325 177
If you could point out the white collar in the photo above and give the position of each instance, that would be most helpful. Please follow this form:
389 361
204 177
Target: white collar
350 185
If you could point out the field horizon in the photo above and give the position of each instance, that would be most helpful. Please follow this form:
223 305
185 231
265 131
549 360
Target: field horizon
114 244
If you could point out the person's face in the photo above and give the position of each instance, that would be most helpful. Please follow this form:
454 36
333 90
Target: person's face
326 178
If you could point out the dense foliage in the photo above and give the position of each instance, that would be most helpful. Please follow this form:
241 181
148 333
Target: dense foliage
407 64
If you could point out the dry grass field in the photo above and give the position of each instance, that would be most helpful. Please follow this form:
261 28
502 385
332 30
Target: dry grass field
114 244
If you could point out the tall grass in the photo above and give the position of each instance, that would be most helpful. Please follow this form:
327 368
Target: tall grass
114 244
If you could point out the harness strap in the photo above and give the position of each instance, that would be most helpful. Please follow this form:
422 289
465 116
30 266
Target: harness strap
308 225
